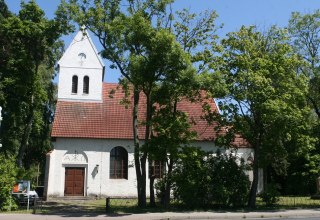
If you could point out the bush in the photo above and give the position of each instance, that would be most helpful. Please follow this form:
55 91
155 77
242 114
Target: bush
190 178
7 180
204 180
28 174
270 195
229 184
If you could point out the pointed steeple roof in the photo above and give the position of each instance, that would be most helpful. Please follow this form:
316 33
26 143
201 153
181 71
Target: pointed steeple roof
81 53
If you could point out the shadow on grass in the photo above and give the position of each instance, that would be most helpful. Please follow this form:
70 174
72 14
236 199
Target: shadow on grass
74 209
93 208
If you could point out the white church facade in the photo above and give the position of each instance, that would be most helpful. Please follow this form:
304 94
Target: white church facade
92 131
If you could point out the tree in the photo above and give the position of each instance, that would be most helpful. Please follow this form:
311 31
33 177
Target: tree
28 54
138 40
265 95
197 36
305 35
172 133
171 127
144 54
304 31
4 12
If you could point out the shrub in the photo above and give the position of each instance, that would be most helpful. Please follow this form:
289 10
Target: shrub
270 195
7 180
204 180
190 178
229 183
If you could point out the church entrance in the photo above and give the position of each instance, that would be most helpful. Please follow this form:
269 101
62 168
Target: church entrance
74 181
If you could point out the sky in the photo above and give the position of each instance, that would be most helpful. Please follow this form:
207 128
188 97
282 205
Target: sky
232 14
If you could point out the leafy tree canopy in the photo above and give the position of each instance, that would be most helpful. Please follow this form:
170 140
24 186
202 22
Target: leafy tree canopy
265 98
30 47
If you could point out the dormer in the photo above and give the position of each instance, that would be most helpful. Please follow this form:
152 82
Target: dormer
81 71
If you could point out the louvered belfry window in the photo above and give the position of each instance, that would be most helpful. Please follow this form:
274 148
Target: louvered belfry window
86 85
74 84
118 163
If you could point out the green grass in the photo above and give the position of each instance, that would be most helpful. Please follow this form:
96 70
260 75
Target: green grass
285 202
302 202
290 202
125 206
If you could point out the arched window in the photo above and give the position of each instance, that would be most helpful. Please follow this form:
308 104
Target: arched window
118 163
86 85
74 84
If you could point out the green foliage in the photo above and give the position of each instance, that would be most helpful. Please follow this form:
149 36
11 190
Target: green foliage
271 194
28 174
8 172
148 56
304 35
230 182
30 48
266 97
173 132
197 35
204 180
190 178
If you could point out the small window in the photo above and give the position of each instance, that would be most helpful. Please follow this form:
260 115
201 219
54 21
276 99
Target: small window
74 84
86 85
118 163
156 169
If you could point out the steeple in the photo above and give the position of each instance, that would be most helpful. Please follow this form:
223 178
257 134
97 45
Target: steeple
81 70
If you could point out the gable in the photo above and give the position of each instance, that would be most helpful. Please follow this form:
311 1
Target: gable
81 53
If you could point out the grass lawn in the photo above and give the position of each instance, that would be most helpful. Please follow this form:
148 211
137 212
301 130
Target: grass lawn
285 202
301 202
123 206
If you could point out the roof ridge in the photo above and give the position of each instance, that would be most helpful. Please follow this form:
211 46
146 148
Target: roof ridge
110 83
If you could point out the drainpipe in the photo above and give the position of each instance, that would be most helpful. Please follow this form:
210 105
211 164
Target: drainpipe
100 170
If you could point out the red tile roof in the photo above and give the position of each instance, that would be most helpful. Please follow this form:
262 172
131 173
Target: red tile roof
112 120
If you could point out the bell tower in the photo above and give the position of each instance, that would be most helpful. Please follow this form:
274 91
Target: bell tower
81 71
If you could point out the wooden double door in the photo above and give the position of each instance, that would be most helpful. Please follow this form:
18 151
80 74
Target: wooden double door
74 181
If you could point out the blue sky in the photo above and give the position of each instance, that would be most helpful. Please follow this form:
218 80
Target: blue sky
232 13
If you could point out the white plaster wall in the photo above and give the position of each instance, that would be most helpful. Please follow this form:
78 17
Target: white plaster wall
243 153
89 65
65 84
97 152
81 44
209 147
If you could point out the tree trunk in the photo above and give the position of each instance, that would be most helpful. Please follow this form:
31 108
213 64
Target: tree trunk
141 180
152 196
26 135
167 188
254 186
147 141
143 195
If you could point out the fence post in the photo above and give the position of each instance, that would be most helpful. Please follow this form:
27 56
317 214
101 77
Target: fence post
34 206
107 204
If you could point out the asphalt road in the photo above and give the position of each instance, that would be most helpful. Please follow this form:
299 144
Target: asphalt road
288 214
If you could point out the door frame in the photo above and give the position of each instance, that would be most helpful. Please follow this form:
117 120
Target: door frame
63 179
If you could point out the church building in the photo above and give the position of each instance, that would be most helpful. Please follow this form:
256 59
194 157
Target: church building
92 133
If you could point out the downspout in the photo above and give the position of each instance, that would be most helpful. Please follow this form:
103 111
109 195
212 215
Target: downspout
100 170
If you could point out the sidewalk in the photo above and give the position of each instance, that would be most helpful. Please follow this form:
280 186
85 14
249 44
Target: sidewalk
301 213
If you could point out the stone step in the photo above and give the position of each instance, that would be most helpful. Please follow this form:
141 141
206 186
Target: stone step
80 198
